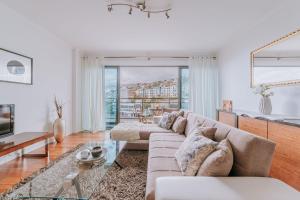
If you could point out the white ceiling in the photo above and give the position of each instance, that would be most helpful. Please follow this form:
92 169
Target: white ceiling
195 26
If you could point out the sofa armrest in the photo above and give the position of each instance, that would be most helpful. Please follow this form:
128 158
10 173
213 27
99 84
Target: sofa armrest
223 188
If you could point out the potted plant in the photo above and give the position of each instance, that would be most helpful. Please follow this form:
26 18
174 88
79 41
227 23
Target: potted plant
59 123
265 105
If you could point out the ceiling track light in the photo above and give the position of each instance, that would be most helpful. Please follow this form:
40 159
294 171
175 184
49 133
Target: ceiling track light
109 8
141 6
130 11
167 15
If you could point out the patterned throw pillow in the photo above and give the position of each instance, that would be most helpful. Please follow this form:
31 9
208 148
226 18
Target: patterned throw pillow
167 120
181 113
219 163
179 125
192 152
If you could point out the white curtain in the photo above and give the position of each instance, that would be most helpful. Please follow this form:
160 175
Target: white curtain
92 104
204 94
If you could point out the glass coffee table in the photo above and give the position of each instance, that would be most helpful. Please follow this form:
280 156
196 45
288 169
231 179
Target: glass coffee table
67 179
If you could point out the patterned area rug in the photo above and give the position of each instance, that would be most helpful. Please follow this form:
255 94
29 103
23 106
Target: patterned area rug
126 183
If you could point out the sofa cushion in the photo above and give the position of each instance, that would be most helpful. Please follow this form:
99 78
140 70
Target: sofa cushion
209 123
145 135
162 153
193 120
163 164
185 113
252 154
192 152
167 137
180 113
135 131
161 159
222 131
165 144
208 132
218 163
168 119
179 125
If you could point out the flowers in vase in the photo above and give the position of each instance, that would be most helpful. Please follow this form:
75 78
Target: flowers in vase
263 90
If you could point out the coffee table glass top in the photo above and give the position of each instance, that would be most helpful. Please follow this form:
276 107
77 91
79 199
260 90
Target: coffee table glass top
67 179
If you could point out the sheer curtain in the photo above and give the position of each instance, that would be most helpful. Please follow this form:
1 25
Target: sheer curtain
92 104
204 94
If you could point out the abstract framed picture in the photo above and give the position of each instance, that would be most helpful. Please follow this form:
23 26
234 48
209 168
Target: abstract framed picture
15 68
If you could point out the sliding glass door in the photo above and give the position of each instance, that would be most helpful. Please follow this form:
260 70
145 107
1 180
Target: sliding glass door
132 92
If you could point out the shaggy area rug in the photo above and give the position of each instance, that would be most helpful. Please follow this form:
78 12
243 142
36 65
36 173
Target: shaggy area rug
127 183
124 183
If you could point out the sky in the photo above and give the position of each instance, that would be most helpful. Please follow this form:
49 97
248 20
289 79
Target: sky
130 75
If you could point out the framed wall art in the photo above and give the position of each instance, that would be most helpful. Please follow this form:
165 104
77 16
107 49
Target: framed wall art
15 68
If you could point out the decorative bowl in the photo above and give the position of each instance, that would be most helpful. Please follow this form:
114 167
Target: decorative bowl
85 154
96 151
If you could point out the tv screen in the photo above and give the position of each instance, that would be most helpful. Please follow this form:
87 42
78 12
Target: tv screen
6 119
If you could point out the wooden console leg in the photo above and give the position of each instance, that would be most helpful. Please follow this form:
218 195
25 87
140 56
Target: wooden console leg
40 155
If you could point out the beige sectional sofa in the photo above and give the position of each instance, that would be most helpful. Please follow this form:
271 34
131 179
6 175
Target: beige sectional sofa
252 154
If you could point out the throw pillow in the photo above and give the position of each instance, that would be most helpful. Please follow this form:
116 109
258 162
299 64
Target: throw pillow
167 120
180 113
219 163
192 152
179 125
208 132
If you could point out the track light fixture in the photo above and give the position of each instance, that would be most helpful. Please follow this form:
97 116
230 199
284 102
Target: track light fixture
145 6
130 11
141 6
167 15
109 8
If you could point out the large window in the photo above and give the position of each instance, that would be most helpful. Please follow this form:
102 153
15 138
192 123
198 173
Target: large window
111 96
184 89
134 91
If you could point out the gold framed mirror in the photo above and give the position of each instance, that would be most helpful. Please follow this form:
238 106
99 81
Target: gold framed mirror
277 63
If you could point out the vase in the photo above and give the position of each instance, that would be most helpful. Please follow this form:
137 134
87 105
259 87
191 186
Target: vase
265 105
59 129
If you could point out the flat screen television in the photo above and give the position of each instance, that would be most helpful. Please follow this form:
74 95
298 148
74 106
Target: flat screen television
7 113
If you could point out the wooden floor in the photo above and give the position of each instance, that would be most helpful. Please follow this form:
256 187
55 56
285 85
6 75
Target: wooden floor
13 171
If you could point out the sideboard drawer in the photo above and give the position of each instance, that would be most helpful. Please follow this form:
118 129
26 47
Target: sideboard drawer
286 160
255 126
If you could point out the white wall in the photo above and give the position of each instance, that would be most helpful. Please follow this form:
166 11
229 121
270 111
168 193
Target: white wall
52 73
234 61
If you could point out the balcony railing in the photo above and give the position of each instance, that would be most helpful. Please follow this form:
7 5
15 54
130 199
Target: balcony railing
130 108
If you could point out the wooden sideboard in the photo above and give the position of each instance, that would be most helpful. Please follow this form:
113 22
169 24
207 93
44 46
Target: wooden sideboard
286 135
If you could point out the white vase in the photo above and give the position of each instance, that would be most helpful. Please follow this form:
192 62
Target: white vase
59 129
265 105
